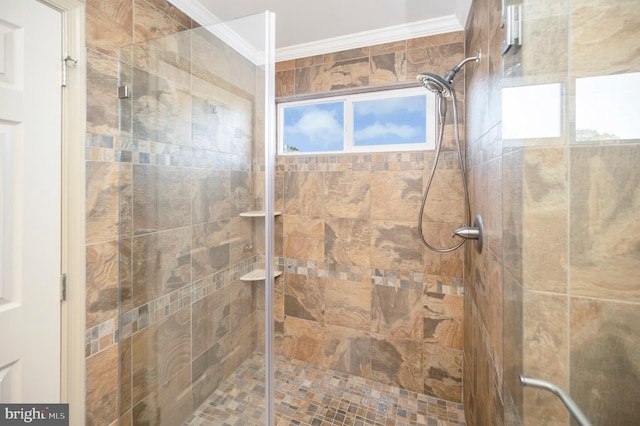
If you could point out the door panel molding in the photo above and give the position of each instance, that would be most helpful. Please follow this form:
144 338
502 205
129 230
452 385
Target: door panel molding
73 369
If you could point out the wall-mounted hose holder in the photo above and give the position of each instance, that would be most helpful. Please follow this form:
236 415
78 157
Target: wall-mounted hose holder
471 232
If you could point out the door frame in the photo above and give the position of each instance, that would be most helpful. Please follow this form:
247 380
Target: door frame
72 312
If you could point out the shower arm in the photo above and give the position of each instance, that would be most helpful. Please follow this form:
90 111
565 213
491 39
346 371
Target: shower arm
452 72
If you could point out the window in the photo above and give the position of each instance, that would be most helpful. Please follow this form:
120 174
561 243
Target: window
393 120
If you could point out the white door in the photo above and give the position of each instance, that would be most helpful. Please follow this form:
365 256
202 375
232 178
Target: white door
30 200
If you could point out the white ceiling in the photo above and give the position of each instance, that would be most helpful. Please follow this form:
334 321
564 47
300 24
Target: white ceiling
305 28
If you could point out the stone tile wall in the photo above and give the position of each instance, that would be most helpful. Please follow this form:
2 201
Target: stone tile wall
360 293
552 297
166 179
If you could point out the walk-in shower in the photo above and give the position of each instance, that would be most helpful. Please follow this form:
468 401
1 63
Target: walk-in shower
443 89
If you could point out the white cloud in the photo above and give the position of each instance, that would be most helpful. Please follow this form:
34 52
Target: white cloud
318 126
378 130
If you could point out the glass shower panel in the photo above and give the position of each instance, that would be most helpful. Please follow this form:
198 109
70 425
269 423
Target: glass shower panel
570 202
191 163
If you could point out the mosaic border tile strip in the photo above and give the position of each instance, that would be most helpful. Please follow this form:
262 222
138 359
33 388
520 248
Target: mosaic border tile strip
125 150
308 395
104 334
385 277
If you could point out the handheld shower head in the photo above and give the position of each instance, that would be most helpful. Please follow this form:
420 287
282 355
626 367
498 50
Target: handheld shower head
442 85
435 84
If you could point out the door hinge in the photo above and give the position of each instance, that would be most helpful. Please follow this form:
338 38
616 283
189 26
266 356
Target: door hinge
63 287
64 68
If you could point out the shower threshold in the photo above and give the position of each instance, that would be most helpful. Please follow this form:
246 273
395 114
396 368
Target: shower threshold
310 395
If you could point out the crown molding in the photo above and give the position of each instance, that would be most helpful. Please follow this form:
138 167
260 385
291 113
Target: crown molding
424 28
450 23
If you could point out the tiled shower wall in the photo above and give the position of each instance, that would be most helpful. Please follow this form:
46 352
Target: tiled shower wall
163 198
552 296
360 293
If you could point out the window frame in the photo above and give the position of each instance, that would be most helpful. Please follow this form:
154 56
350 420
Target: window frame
348 120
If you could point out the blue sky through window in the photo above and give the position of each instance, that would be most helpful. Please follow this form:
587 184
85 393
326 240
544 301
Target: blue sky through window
314 128
390 121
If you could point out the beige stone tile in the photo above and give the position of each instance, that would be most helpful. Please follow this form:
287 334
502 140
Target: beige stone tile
240 190
242 238
442 372
304 297
159 352
359 52
348 194
303 194
347 242
445 199
396 312
394 245
102 387
347 350
102 201
544 254
285 83
443 320
348 304
102 104
124 350
602 37
174 259
210 195
397 362
434 59
102 283
171 11
388 68
285 65
210 320
303 238
604 359
242 341
303 340
173 197
170 405
211 251
436 40
604 222
208 370
150 23
309 61
396 195
311 79
161 108
109 25
396 46
546 353
347 73
241 302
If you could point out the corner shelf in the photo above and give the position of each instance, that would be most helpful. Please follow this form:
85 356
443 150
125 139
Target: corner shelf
258 275
258 213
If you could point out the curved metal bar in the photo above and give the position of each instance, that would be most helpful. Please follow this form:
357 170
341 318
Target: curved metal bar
566 399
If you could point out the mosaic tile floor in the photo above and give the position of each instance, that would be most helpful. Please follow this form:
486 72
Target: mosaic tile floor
309 395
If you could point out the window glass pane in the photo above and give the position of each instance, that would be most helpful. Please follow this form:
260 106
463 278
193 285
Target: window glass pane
314 128
390 121
607 107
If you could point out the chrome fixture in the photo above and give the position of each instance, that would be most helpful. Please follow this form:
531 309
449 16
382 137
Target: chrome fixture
471 232
443 88
442 85
566 399
512 29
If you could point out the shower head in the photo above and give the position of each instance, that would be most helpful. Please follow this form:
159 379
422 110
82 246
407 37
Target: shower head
442 85
435 84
